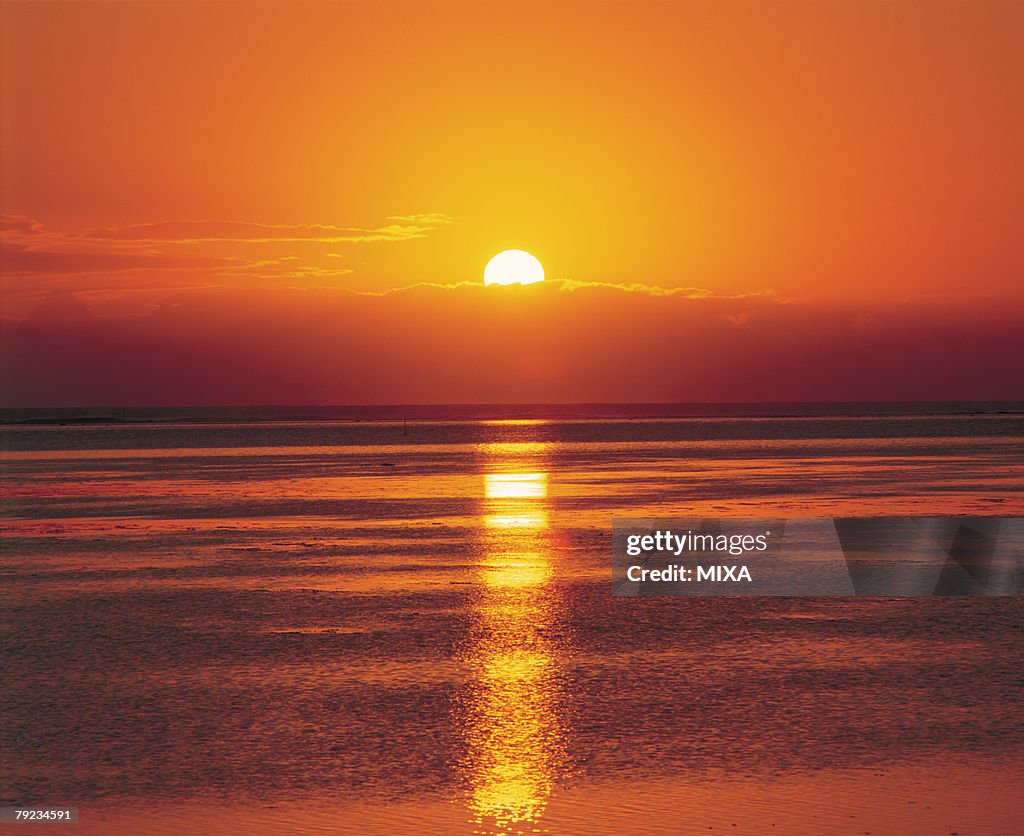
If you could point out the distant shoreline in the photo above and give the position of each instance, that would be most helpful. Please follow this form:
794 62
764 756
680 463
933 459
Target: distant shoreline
89 416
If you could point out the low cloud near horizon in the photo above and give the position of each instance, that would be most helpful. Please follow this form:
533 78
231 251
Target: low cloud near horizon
471 344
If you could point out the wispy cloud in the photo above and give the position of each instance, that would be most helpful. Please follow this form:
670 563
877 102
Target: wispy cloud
405 228
20 223
19 260
430 219
572 285
35 260
634 287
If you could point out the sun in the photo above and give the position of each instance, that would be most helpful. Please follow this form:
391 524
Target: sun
513 267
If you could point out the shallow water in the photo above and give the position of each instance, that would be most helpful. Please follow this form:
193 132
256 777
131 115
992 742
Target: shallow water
326 626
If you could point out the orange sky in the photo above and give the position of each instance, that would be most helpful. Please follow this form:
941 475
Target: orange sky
862 151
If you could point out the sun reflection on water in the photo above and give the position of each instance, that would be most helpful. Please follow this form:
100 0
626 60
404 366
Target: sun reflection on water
515 741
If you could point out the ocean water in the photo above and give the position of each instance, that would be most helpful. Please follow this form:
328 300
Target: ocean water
282 622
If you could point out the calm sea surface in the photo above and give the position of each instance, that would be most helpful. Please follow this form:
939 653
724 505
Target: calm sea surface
364 627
